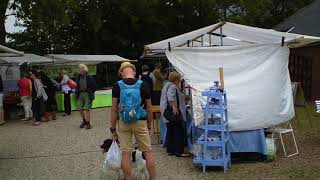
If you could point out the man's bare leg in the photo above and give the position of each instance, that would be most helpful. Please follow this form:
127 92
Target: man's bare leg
87 114
125 164
84 121
151 165
82 113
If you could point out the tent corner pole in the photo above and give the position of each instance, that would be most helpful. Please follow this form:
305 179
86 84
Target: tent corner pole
221 39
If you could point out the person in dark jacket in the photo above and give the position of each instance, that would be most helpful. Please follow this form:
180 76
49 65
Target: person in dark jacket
86 87
50 104
1 103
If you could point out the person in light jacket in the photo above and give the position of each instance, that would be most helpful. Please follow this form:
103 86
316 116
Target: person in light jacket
66 91
38 96
175 137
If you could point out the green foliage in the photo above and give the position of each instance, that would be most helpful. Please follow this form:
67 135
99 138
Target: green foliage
124 26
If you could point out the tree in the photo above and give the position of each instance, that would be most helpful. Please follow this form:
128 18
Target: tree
3 8
124 26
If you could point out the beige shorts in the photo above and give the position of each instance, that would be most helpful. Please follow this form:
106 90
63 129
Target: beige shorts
140 131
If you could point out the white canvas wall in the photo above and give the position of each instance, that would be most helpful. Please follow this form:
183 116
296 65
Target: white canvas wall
257 81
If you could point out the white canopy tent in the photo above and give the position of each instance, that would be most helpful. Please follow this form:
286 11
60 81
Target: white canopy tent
255 63
11 56
228 34
9 50
93 59
8 58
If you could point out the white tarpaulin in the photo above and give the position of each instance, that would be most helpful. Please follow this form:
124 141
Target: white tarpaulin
231 34
257 81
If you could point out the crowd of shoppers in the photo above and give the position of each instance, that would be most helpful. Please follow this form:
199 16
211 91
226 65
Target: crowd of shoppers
37 93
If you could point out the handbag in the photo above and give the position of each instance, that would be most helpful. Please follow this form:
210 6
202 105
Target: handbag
168 112
72 84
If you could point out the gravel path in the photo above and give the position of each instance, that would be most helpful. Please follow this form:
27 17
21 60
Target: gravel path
60 150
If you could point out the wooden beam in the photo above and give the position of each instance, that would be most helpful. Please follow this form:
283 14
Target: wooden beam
213 29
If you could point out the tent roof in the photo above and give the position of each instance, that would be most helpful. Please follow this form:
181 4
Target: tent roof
232 34
26 58
303 21
9 50
70 58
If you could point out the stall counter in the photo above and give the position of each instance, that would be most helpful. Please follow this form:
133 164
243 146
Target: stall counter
103 98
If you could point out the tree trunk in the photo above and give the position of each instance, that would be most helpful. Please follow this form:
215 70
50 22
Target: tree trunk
3 8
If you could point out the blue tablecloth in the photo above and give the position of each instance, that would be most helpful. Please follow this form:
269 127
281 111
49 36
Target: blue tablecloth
248 141
240 141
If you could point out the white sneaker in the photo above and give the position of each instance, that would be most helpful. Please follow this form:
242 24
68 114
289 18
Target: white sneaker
25 119
37 123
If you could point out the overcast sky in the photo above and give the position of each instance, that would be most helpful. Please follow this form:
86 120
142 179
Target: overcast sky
10 21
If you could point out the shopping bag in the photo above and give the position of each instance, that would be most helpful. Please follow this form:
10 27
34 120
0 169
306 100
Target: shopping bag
72 84
113 158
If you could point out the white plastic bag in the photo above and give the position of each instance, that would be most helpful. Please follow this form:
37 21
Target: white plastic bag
113 158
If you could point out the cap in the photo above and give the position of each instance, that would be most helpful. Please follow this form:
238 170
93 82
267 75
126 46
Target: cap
125 65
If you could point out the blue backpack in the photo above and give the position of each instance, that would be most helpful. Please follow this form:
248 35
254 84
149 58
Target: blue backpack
130 109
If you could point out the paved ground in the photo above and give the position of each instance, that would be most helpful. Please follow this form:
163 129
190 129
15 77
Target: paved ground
57 149
60 150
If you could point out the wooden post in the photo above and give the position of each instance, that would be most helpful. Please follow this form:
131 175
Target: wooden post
221 78
221 36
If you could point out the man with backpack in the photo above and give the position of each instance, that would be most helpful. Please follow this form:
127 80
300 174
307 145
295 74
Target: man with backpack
147 77
131 108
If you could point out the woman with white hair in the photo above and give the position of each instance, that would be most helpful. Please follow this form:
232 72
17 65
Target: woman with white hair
86 86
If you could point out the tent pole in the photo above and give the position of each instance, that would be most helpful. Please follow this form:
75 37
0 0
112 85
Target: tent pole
201 41
209 40
107 74
188 43
221 36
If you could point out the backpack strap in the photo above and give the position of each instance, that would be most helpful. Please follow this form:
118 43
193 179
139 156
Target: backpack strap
123 85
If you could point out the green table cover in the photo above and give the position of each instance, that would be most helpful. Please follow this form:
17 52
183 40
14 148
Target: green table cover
101 100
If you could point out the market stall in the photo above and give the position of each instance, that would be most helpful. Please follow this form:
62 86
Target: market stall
255 63
10 63
103 96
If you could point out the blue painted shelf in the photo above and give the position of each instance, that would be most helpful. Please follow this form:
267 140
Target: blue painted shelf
215 139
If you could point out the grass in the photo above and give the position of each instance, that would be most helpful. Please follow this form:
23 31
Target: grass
305 165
